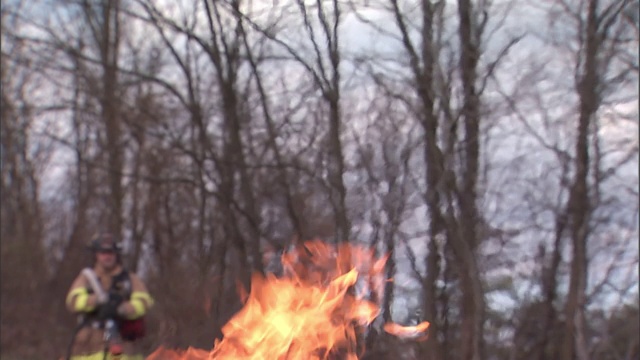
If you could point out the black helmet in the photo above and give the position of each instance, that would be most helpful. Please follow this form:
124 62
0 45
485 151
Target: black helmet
104 242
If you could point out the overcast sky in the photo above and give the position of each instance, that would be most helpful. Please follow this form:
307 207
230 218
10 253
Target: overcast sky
520 164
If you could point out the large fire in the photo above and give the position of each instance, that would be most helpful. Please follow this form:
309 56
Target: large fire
312 312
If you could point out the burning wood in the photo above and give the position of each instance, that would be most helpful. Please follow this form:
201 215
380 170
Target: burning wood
311 312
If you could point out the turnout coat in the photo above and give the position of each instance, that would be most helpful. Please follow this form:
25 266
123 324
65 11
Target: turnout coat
89 343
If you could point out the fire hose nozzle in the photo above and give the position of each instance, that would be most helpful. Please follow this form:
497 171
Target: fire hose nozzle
111 337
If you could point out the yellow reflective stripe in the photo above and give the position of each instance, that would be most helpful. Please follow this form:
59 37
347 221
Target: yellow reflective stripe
81 302
74 292
141 301
144 296
100 356
81 296
138 307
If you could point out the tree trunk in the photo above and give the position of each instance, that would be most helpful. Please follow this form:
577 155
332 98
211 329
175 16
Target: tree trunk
472 293
549 288
579 204
224 55
108 40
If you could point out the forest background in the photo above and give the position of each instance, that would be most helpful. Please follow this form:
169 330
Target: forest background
490 147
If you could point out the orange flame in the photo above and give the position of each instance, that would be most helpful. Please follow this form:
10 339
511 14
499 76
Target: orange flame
311 312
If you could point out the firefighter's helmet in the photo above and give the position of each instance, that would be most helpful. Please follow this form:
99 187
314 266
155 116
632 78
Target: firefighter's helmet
104 242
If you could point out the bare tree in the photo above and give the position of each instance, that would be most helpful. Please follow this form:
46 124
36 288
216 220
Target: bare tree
595 27
451 186
212 133
24 156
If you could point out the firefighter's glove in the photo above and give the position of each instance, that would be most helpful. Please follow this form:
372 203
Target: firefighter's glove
109 310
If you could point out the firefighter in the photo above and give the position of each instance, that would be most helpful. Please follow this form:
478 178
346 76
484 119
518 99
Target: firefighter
111 303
